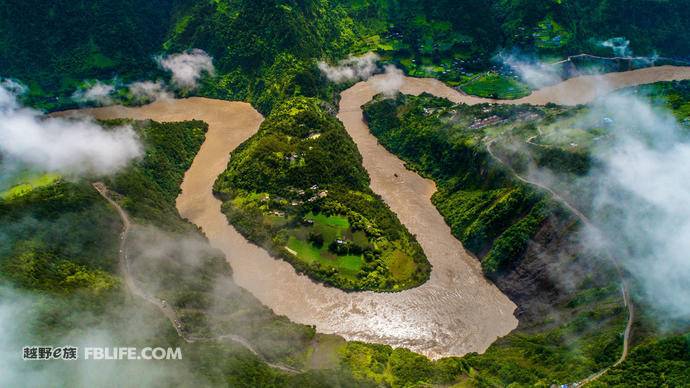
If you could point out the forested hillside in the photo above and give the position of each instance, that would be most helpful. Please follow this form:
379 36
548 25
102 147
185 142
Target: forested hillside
53 46
492 210
266 50
298 189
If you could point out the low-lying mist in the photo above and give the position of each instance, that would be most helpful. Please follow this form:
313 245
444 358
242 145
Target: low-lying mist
123 324
351 69
642 200
637 196
73 147
165 265
362 68
186 70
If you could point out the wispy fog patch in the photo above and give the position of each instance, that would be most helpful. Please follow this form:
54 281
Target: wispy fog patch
642 200
97 318
351 69
390 82
637 197
187 67
530 70
151 243
156 252
14 308
70 147
619 46
121 325
147 91
98 92
13 87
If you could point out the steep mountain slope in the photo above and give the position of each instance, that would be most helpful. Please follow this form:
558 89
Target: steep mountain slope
266 50
54 45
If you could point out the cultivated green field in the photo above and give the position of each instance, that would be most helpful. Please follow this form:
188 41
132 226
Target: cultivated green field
332 229
494 85
26 183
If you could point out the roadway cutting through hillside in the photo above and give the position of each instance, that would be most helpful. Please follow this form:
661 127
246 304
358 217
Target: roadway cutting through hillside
162 306
456 312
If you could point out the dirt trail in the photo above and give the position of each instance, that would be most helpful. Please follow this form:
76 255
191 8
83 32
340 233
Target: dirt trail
166 309
457 311
585 221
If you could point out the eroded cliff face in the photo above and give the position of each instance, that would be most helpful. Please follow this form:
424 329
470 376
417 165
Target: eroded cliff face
557 277
534 282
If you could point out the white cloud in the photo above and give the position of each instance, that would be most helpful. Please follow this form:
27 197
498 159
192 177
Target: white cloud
638 198
390 82
351 69
638 189
534 73
14 87
643 200
146 91
187 68
70 147
99 92
620 46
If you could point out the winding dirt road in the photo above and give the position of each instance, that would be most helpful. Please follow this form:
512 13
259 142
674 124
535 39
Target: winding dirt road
585 221
166 309
457 311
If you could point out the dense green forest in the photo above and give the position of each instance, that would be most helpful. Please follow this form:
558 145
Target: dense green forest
656 363
298 189
494 215
53 46
266 51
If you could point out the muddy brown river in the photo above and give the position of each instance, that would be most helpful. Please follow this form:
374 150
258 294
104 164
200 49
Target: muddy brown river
457 311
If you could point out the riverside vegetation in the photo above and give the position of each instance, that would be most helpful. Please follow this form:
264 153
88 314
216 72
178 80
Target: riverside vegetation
298 188
448 143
